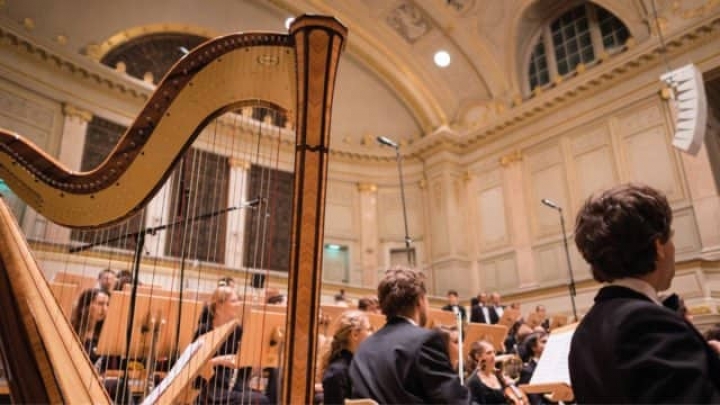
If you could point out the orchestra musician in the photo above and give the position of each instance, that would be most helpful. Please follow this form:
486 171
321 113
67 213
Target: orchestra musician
630 348
404 363
225 386
451 337
87 318
534 346
353 328
487 385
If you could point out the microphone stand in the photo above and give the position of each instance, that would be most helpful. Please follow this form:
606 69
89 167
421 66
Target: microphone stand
571 285
408 241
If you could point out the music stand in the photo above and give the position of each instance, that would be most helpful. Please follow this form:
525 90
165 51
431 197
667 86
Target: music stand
551 373
509 317
149 312
177 381
65 294
377 321
260 330
558 321
437 317
494 334
332 314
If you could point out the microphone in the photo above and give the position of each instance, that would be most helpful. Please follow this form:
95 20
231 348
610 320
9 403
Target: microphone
252 203
387 141
550 204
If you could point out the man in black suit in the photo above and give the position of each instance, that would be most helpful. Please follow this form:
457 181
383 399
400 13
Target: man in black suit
404 363
454 306
482 312
629 348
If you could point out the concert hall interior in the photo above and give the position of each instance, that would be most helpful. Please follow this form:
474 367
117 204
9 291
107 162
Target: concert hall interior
458 137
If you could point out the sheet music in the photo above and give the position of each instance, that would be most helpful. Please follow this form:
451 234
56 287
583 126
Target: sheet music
553 364
174 371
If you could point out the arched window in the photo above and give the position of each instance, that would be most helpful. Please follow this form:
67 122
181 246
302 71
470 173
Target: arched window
581 35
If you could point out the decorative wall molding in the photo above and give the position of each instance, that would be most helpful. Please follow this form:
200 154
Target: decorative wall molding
72 111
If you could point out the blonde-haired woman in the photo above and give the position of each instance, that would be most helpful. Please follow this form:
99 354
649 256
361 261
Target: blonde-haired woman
219 389
353 328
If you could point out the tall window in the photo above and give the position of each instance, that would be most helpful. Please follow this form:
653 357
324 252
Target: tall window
580 35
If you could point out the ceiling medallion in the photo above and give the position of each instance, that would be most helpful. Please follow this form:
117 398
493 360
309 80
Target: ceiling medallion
268 60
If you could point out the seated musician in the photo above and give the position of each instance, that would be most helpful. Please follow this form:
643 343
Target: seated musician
87 318
451 337
487 385
535 345
224 386
353 328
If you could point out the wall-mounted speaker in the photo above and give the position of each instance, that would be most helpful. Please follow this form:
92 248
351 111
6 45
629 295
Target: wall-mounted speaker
690 107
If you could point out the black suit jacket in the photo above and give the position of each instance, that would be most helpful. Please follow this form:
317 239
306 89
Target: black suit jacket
478 316
628 349
405 364
461 309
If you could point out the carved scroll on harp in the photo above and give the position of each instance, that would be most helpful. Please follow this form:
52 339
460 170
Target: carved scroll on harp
142 161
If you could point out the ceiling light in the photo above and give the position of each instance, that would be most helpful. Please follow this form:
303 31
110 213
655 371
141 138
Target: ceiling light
442 59
289 21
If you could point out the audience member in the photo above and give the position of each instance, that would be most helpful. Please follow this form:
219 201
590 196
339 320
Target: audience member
496 306
107 280
629 348
482 312
403 363
454 306
340 299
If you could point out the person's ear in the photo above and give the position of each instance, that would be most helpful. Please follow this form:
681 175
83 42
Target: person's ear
659 249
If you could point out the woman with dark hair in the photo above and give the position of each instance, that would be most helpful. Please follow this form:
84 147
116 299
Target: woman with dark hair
225 387
353 327
534 346
87 318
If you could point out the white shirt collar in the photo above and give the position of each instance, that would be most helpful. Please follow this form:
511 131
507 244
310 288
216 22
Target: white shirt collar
640 286
408 319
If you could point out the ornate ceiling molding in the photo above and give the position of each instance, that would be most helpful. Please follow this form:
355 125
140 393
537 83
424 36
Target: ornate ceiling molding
83 70
97 51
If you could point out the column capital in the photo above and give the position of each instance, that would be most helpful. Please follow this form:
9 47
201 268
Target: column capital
367 187
510 158
239 163
72 111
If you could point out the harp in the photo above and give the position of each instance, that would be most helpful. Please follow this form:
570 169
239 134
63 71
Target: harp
292 73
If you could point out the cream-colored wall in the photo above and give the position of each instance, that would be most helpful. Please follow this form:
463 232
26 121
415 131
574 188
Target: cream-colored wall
473 208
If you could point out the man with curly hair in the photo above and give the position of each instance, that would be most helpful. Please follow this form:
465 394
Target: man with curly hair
630 348
404 363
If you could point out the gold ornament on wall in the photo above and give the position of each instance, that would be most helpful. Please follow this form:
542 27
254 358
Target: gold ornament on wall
507 160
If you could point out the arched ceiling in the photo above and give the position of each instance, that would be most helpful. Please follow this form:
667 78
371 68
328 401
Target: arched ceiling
387 85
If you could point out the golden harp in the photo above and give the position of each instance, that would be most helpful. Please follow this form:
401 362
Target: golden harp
294 73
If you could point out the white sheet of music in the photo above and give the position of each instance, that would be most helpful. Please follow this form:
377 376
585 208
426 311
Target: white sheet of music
553 364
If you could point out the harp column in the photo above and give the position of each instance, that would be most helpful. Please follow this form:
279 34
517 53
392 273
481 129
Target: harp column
237 195
71 153
319 41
